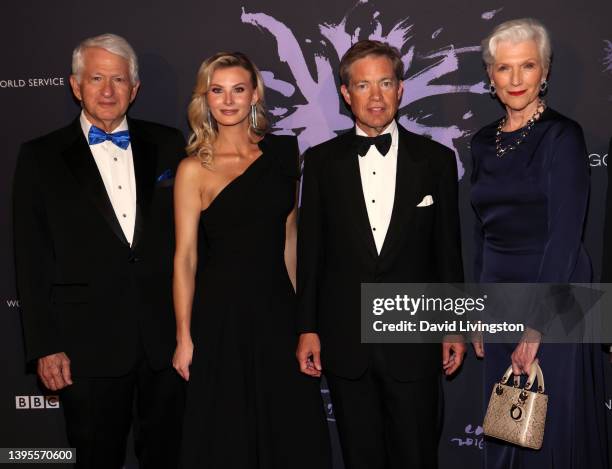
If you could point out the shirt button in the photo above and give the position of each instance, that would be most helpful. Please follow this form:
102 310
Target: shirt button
373 201
115 159
119 187
124 215
374 173
373 229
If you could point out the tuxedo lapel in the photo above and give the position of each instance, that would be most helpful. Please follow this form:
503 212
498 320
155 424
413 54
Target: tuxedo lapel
145 161
349 182
407 189
80 161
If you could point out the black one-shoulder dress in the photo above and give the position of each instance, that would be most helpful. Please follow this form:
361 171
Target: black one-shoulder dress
248 406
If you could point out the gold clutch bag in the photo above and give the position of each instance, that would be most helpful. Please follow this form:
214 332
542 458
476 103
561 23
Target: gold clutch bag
515 414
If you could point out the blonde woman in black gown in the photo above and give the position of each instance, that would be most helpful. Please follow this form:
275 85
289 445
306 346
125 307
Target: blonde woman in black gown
248 406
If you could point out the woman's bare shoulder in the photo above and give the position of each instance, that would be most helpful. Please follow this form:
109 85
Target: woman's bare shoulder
190 164
191 168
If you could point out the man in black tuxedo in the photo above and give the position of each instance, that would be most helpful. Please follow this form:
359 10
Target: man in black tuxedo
94 245
379 204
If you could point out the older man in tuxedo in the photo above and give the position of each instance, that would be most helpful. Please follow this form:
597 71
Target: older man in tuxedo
379 204
93 242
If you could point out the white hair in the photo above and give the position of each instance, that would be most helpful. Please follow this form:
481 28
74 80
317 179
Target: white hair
111 43
517 31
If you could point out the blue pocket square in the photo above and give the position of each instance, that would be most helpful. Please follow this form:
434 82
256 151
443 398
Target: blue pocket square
167 174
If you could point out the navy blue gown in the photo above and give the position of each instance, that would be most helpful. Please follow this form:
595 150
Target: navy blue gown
530 210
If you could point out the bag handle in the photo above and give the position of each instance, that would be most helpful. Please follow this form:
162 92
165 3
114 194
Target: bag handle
536 372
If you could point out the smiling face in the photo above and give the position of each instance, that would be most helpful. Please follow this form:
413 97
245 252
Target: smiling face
230 95
104 88
373 93
517 74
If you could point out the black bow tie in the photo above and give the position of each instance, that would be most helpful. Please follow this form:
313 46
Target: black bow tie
382 142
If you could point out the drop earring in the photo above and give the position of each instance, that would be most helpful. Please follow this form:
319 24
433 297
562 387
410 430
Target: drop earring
492 90
254 116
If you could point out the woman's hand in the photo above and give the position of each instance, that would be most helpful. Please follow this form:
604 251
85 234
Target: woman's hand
182 358
187 210
525 352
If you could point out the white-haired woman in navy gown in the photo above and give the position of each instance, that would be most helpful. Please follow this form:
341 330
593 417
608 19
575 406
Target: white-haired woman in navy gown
530 189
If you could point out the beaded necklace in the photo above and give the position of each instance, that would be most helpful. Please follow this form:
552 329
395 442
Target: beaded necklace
500 150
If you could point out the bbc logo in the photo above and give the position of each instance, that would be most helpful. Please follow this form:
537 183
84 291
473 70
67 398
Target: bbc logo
37 402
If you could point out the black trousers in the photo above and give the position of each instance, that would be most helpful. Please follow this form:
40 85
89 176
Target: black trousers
100 411
384 423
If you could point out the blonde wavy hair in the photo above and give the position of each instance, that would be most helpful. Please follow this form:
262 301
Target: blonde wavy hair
203 125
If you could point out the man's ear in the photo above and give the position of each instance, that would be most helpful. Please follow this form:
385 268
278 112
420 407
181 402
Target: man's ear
345 94
134 91
76 88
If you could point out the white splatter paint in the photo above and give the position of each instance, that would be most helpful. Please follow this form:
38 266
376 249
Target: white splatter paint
608 56
488 15
317 119
278 111
284 88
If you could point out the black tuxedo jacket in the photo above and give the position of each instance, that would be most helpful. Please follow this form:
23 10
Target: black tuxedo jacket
83 290
336 249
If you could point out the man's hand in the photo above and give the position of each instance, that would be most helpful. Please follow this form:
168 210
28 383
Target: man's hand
525 352
453 350
54 371
478 344
183 354
308 354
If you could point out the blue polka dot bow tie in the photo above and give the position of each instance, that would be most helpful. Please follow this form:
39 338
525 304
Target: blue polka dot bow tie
382 143
97 135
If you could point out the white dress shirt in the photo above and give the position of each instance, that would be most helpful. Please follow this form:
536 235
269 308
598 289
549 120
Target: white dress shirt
116 167
378 175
